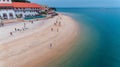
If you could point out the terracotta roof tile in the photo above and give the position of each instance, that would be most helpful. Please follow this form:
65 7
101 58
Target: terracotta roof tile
22 5
6 5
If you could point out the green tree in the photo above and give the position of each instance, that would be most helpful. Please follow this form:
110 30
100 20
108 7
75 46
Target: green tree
21 1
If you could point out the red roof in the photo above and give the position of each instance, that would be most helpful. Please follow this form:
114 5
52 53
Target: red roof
22 5
6 5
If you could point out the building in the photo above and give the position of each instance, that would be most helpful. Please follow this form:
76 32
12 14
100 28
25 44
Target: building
11 10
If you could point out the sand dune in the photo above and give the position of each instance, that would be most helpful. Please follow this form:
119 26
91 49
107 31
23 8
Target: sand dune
34 49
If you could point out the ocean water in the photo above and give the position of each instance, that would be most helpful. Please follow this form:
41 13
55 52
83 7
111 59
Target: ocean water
99 42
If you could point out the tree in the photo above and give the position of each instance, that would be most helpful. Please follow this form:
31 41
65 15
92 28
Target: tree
52 8
21 1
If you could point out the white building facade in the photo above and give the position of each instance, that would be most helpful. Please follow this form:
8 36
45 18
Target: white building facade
12 10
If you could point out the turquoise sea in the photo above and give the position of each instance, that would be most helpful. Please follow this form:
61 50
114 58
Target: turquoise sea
99 43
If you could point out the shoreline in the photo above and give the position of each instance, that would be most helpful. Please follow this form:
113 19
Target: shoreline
33 50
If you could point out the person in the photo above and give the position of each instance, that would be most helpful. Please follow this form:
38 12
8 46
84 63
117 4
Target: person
24 25
51 29
50 45
55 24
15 29
57 30
32 22
18 29
56 21
59 23
37 19
2 24
60 18
11 33
23 29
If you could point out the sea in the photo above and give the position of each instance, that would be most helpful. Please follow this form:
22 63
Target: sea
99 42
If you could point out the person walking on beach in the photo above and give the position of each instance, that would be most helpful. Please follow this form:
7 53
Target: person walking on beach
24 25
51 29
57 30
56 21
15 29
36 19
60 18
32 22
59 23
1 23
55 24
51 45
11 33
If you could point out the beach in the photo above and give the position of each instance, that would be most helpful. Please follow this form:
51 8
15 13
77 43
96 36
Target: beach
43 42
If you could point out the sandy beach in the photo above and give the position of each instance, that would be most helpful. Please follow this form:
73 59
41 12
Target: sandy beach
43 42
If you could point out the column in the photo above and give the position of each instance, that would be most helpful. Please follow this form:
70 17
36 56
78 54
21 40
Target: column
8 15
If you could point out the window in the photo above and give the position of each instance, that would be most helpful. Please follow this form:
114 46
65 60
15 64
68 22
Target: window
11 15
5 16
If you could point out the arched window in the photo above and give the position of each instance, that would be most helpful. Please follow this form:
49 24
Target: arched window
11 15
5 16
